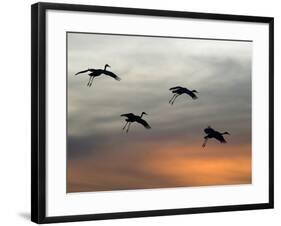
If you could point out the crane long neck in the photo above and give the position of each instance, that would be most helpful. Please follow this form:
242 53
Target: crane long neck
142 115
105 66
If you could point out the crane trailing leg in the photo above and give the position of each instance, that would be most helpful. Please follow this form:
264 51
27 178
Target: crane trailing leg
205 142
91 79
125 125
88 84
128 127
173 99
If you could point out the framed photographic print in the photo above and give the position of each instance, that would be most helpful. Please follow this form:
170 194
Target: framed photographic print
141 112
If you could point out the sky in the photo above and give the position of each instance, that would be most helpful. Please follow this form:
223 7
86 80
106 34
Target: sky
102 157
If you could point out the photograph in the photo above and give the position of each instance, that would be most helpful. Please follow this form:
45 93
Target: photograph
143 112
157 112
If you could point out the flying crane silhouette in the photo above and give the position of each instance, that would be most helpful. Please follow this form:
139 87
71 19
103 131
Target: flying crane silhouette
178 90
211 133
97 72
134 118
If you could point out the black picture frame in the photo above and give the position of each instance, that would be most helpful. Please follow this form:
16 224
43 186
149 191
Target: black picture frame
38 111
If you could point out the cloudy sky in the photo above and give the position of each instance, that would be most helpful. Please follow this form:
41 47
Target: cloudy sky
103 157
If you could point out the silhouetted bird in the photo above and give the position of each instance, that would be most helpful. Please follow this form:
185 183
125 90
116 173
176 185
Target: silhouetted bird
178 90
134 118
97 72
211 133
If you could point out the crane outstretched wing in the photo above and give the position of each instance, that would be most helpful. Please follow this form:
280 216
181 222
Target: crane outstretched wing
220 137
176 87
128 115
192 95
209 130
144 123
111 74
80 72
88 70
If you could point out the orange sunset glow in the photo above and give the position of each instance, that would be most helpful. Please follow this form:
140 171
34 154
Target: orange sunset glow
166 168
